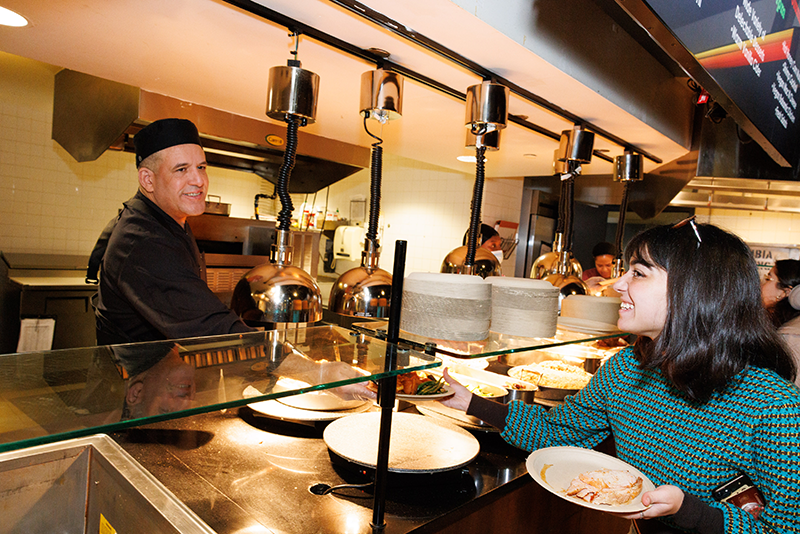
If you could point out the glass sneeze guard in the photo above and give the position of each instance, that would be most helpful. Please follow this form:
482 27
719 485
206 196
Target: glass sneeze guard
56 395
494 345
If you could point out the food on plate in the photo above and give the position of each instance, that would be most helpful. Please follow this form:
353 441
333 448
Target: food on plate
485 390
519 386
606 486
553 374
416 383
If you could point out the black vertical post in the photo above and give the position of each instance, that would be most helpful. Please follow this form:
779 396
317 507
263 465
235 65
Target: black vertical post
387 388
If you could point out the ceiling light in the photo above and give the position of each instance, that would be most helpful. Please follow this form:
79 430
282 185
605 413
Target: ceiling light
9 18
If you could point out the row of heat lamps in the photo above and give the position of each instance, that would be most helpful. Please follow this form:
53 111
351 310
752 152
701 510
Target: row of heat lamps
278 293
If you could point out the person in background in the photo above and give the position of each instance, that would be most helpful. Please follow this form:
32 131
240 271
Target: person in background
490 240
782 302
604 255
702 397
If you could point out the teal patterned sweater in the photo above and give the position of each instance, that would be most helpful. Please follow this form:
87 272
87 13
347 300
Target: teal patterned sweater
751 427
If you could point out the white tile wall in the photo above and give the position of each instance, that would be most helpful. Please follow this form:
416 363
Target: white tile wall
49 203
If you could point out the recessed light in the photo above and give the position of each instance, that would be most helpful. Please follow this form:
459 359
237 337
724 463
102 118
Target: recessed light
530 156
470 159
9 18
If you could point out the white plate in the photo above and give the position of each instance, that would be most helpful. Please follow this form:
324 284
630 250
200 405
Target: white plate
587 326
275 410
411 397
313 400
566 463
418 444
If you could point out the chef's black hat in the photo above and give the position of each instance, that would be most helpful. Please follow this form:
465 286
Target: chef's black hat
162 134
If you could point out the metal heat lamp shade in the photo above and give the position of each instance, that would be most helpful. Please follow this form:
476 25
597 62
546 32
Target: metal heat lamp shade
367 290
278 292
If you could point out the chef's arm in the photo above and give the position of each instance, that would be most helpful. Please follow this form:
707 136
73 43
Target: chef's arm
297 366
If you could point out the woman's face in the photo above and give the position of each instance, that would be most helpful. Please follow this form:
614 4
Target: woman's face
643 290
771 293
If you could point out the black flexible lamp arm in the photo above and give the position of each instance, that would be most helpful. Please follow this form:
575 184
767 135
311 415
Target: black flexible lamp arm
477 199
623 208
569 206
376 170
285 215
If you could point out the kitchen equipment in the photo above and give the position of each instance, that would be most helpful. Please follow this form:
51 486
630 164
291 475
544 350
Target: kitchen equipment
627 169
217 208
560 267
278 292
418 444
446 306
367 289
87 485
486 113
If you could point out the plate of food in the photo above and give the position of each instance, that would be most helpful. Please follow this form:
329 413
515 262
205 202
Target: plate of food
589 478
419 386
555 378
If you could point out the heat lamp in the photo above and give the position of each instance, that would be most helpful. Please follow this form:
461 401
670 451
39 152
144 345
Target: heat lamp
486 115
366 290
559 267
278 292
627 169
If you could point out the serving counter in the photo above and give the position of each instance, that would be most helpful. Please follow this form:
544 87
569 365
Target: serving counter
181 410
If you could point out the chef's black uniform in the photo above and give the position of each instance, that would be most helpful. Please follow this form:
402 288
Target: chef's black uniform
150 285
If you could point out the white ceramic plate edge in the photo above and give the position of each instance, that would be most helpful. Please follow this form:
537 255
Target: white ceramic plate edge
568 462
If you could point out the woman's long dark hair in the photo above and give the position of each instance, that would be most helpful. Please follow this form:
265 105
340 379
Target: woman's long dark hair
788 272
716 325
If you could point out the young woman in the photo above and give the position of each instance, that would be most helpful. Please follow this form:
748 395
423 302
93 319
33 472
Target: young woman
703 396
783 304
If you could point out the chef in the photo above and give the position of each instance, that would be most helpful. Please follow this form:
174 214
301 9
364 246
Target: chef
150 287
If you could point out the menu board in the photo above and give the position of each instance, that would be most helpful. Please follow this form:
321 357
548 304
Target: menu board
750 49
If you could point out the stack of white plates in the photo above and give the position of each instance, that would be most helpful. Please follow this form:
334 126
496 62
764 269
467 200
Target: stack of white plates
590 314
524 307
448 306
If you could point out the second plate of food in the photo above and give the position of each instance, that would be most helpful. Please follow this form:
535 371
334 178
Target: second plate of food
582 476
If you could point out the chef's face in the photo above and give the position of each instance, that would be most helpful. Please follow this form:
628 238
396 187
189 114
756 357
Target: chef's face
604 264
771 292
643 291
178 182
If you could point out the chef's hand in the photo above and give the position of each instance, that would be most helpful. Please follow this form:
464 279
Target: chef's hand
335 371
459 401
662 501
593 283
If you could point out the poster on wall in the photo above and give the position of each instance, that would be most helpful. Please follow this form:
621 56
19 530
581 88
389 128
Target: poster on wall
766 254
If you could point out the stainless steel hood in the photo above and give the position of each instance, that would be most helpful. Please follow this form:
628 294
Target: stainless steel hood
92 115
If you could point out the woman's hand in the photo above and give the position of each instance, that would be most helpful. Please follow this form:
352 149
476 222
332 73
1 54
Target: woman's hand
459 401
662 501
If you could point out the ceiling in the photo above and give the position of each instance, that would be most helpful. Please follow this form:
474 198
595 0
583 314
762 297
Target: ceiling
212 53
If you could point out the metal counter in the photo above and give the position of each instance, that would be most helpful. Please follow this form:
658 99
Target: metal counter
243 473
